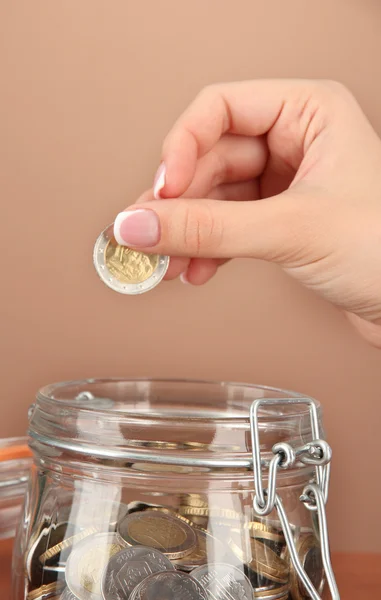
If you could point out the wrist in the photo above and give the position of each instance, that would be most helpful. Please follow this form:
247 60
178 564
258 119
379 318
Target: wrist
369 330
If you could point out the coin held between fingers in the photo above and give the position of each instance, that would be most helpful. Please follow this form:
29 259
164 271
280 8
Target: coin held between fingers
125 270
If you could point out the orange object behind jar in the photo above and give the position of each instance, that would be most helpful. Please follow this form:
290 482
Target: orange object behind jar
15 461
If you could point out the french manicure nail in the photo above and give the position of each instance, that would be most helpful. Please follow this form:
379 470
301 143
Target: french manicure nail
159 181
184 278
138 228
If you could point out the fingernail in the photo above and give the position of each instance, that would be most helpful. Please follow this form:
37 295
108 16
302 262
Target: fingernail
137 228
159 181
184 278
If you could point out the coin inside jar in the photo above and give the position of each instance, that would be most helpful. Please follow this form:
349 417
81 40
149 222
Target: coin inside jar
128 568
207 547
169 586
223 581
47 538
259 558
68 595
272 592
164 532
87 563
51 590
125 270
309 552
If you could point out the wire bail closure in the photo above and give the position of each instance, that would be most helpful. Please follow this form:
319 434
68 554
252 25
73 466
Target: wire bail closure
315 494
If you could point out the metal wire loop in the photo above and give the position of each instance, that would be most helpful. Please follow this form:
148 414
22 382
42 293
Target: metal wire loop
269 494
287 454
315 495
317 453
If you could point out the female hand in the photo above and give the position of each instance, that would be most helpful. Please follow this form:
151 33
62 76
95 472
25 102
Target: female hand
301 168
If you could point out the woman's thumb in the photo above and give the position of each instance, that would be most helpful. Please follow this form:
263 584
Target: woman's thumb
265 229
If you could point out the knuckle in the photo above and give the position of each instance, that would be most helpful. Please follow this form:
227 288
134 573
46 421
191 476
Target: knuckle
202 231
207 92
220 170
335 89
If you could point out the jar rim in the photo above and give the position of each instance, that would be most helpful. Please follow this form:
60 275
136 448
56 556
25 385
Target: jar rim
171 421
47 394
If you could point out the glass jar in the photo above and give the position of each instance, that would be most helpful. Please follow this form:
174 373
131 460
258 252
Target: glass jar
15 461
144 489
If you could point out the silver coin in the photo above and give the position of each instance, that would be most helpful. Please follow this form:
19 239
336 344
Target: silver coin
154 274
128 568
169 586
223 581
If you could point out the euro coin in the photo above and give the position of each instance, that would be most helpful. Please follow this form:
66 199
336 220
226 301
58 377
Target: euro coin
125 270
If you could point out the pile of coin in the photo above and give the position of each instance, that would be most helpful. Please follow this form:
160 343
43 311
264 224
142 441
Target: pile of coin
154 552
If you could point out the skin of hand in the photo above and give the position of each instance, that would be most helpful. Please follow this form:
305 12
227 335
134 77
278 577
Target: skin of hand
287 171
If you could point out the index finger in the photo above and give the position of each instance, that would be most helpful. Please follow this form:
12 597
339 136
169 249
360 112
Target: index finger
243 108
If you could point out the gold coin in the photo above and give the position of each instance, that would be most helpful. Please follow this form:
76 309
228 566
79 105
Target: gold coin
172 512
196 500
223 513
265 531
259 558
173 537
198 521
67 543
86 563
129 266
272 591
309 552
47 536
46 591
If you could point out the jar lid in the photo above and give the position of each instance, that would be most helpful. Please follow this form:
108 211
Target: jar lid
173 422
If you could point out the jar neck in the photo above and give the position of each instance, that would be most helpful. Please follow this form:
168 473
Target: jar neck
183 424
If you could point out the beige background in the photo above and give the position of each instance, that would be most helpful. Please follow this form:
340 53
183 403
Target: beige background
88 90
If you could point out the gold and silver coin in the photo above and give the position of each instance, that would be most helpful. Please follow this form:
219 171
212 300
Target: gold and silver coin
164 532
157 552
169 586
125 270
87 563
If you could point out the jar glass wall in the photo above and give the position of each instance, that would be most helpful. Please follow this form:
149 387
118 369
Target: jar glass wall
15 461
144 489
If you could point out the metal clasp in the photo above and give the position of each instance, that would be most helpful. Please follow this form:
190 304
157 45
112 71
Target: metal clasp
315 494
